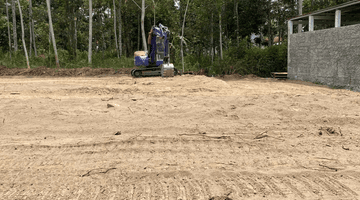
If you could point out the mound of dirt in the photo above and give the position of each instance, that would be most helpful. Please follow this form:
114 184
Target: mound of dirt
39 71
44 71
232 77
66 72
4 71
2 67
250 76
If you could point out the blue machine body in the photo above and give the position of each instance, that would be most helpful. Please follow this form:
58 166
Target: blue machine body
159 48
141 61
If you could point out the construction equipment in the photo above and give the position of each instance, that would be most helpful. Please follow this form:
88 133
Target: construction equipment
157 62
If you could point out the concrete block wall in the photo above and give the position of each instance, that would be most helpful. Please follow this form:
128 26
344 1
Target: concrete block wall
329 56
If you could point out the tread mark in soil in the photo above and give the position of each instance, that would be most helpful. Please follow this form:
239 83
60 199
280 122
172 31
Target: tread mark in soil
173 190
274 188
344 187
200 188
327 187
246 191
286 181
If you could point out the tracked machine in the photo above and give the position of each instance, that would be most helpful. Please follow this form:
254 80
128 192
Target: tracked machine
157 62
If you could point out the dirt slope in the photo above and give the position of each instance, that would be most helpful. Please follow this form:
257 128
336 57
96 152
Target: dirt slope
188 137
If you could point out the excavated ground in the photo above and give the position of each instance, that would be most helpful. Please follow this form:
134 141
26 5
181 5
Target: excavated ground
187 137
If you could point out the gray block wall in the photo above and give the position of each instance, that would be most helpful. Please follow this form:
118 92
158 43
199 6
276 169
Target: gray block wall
329 56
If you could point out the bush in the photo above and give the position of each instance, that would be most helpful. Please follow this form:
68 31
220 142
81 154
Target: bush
261 62
108 60
245 59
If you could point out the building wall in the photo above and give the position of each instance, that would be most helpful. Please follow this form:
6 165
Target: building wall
329 56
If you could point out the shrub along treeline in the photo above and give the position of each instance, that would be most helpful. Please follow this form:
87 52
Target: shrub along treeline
245 59
106 59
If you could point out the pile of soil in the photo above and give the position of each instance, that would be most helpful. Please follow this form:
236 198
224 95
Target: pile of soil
250 76
44 71
85 71
233 77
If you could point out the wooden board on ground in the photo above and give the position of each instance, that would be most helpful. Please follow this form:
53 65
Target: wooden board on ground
279 74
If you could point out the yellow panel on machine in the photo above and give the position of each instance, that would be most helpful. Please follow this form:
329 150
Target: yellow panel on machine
139 53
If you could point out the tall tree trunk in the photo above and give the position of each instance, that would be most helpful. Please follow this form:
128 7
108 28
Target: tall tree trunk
120 42
49 46
182 37
104 45
269 24
116 42
300 13
34 37
14 25
30 39
154 13
90 31
142 24
7 18
96 43
221 52
23 36
139 33
75 37
70 39
52 34
312 5
212 38
237 22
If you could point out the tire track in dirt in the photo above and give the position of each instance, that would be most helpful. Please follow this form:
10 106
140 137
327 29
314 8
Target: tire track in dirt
180 187
63 167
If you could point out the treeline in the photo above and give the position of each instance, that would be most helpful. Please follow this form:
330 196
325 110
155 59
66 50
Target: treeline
221 36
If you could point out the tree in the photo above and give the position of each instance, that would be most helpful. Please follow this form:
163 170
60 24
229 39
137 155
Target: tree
52 33
120 43
30 38
8 23
116 43
269 24
32 28
220 43
212 38
75 35
23 35
142 24
182 36
14 25
90 32
300 13
237 21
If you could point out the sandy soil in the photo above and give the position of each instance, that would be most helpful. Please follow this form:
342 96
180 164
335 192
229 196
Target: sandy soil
187 137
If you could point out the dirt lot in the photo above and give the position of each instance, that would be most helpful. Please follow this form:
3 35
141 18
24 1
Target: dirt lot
187 137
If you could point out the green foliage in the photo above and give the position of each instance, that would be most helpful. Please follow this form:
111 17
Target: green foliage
245 59
249 59
313 5
263 61
108 60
